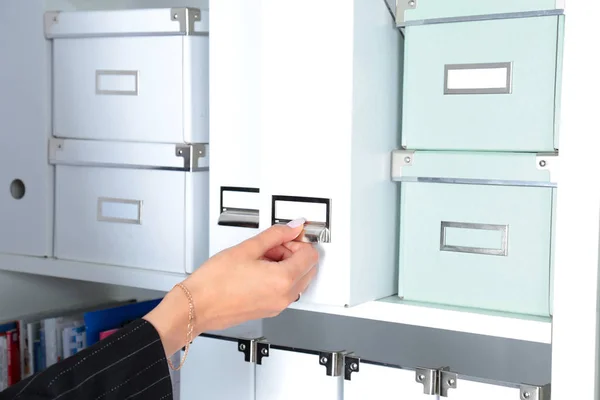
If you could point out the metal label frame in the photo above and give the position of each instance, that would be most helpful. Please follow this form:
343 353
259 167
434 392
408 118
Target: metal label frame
507 89
314 231
136 221
503 251
240 217
106 72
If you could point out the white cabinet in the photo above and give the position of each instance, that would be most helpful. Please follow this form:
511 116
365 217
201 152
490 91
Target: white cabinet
365 380
298 374
454 386
218 368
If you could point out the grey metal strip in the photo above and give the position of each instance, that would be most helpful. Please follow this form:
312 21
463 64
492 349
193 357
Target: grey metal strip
128 166
470 18
507 89
503 229
466 181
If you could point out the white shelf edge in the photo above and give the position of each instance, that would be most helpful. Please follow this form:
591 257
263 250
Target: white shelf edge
385 310
537 330
82 271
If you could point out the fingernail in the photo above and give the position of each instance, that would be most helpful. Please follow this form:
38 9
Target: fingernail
296 223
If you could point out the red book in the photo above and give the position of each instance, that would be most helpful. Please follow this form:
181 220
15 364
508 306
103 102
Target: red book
14 358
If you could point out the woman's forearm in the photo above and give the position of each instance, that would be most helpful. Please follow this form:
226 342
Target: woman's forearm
130 363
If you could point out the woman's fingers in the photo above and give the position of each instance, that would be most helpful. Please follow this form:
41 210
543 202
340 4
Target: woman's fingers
276 235
303 284
278 253
300 262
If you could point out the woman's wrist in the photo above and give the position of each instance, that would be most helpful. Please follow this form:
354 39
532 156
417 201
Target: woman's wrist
171 319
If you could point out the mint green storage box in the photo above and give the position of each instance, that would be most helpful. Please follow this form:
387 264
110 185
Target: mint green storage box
476 230
491 85
416 11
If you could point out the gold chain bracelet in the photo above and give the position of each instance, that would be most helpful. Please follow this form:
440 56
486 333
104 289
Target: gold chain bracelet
190 327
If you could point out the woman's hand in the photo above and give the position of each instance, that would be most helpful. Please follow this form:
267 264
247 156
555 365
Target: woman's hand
258 278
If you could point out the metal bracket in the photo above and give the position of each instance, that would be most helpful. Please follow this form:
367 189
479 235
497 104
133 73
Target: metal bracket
254 349
190 153
262 350
401 159
528 392
187 17
351 364
401 7
333 362
50 18
549 162
428 378
54 145
248 347
436 381
447 380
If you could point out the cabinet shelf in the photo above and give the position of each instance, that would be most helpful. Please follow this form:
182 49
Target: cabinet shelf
394 310
391 309
100 273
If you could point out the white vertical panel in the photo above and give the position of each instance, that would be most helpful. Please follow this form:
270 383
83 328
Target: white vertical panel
293 375
575 334
26 222
215 370
234 111
383 382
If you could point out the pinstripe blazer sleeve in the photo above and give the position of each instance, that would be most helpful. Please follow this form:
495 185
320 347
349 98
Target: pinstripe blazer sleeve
129 364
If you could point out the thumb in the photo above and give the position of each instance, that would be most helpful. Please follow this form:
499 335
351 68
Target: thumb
276 235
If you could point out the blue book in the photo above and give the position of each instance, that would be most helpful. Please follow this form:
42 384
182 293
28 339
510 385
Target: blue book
42 350
113 318
39 357
7 326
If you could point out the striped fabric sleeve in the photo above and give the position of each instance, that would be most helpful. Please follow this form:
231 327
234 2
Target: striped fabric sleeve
129 364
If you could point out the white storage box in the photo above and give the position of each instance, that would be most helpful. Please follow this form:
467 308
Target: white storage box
329 118
131 204
133 75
